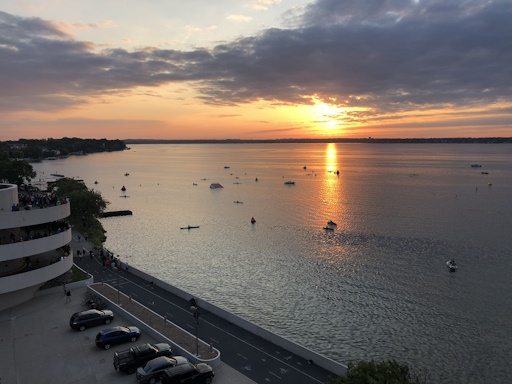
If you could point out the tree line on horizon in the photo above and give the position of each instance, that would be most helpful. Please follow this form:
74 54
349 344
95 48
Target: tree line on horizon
455 140
38 149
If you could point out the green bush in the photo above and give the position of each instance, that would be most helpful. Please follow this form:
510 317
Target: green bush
384 372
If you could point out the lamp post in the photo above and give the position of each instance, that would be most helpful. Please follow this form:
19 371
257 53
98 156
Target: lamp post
195 311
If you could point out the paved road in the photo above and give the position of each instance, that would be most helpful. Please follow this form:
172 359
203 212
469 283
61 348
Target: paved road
256 358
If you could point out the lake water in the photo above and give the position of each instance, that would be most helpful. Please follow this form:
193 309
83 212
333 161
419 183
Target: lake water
375 287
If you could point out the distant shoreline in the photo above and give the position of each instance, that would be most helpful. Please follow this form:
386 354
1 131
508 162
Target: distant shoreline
463 140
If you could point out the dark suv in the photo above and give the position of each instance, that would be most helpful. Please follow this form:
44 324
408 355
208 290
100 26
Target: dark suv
117 335
90 318
188 373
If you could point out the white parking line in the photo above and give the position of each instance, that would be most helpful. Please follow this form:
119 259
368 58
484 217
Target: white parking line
273 374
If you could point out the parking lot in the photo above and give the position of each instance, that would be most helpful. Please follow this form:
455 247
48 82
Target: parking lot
37 345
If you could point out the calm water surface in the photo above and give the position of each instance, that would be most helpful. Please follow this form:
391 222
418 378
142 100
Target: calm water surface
376 287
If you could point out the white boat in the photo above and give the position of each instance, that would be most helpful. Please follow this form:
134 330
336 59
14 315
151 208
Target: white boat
451 265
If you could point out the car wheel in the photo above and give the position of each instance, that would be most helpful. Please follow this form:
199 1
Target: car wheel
208 380
107 321
107 346
82 328
152 380
130 370
133 339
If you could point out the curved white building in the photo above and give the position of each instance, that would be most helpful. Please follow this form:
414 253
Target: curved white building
30 242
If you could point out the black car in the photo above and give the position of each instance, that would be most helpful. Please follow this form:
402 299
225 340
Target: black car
90 318
188 374
153 370
116 335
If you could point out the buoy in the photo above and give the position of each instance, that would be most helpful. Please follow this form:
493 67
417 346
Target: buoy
252 220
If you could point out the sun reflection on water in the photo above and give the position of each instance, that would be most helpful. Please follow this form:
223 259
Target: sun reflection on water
332 206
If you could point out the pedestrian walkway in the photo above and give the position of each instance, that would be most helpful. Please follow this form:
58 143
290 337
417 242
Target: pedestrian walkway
245 352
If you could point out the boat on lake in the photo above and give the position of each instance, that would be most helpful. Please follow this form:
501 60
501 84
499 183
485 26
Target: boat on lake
289 182
476 166
215 186
329 229
238 202
123 189
451 265
127 174
330 222
190 227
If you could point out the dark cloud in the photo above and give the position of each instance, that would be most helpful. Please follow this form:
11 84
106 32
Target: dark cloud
388 56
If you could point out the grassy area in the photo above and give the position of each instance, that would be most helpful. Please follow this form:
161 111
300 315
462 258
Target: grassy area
78 274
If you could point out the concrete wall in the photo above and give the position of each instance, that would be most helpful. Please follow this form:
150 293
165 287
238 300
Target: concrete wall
35 277
35 246
34 216
320 360
8 196
177 349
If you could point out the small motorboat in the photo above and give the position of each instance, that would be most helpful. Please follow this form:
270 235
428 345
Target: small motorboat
226 167
451 265
289 182
329 229
127 174
123 189
96 182
476 166
194 183
256 179
330 222
190 227
238 202
252 220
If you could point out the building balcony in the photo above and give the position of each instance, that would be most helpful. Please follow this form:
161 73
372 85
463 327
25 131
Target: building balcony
29 248
36 277
25 218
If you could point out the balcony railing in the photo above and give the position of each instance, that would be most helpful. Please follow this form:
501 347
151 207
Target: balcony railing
38 216
33 247
35 277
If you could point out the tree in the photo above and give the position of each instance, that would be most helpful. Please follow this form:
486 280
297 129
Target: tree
85 202
86 207
384 372
16 171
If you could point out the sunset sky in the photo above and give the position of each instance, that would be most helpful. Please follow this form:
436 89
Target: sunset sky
255 69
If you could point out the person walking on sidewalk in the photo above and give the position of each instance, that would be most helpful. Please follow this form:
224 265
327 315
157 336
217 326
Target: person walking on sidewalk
68 296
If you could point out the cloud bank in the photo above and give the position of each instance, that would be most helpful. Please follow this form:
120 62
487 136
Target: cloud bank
383 56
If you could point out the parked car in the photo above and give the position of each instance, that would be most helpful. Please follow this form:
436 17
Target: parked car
153 370
116 335
188 374
90 318
129 360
